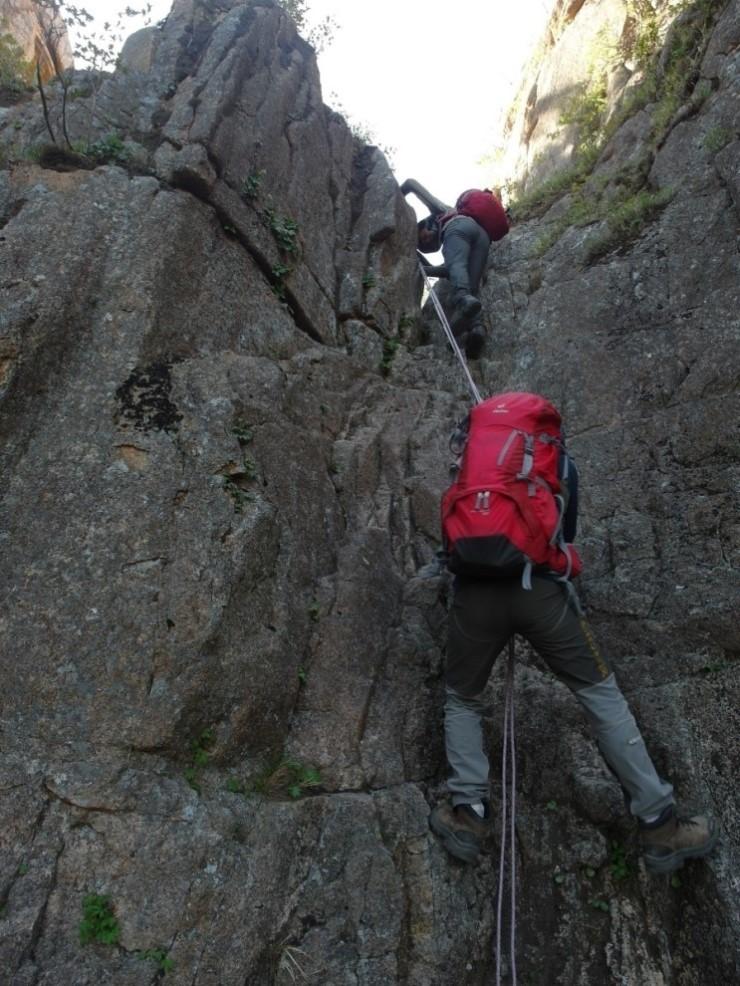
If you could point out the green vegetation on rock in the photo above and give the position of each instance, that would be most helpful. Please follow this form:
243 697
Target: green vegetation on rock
668 81
16 74
98 922
280 778
160 959
200 751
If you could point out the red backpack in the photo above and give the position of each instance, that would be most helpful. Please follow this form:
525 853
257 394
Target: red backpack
483 206
503 514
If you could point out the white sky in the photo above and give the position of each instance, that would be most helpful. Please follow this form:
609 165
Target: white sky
430 78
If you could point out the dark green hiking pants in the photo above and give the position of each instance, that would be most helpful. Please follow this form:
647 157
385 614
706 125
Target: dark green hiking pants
484 615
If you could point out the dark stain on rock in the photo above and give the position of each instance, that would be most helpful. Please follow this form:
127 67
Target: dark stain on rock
144 399
56 158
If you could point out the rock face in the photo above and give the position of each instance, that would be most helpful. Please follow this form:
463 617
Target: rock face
224 435
588 57
41 35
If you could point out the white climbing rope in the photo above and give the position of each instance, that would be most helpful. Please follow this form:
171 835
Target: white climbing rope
450 335
508 803
509 752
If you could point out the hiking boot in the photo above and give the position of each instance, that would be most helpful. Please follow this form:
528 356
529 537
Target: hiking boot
475 340
461 829
668 842
467 304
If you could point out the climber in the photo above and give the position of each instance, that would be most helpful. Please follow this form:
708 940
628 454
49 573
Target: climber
513 576
464 235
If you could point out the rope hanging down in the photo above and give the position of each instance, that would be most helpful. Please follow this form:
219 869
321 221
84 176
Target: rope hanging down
509 752
450 336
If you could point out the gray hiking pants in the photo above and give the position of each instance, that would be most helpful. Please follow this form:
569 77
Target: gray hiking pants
484 615
465 249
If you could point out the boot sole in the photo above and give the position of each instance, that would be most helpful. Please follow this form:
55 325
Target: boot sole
455 847
667 864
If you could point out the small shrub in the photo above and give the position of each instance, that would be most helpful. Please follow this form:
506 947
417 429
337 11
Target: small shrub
252 184
537 201
250 468
242 431
200 747
160 958
303 779
16 74
200 752
98 923
548 239
390 347
684 48
642 38
287 776
618 862
368 280
239 496
320 34
717 138
107 149
586 111
284 230
279 272
625 221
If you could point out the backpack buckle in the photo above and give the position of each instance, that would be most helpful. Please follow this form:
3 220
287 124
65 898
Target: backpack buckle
483 501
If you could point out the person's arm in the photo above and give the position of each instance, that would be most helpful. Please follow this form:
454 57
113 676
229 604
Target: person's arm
432 270
435 205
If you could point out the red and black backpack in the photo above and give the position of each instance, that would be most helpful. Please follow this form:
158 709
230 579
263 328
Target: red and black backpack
483 206
503 514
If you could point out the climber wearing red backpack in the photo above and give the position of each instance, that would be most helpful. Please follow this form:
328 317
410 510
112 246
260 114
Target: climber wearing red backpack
464 235
508 522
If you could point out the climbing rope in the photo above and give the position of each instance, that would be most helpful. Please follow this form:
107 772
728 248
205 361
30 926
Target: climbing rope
450 335
509 752
508 815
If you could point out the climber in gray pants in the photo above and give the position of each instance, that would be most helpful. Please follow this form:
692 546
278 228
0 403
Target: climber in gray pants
464 244
485 614
465 247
